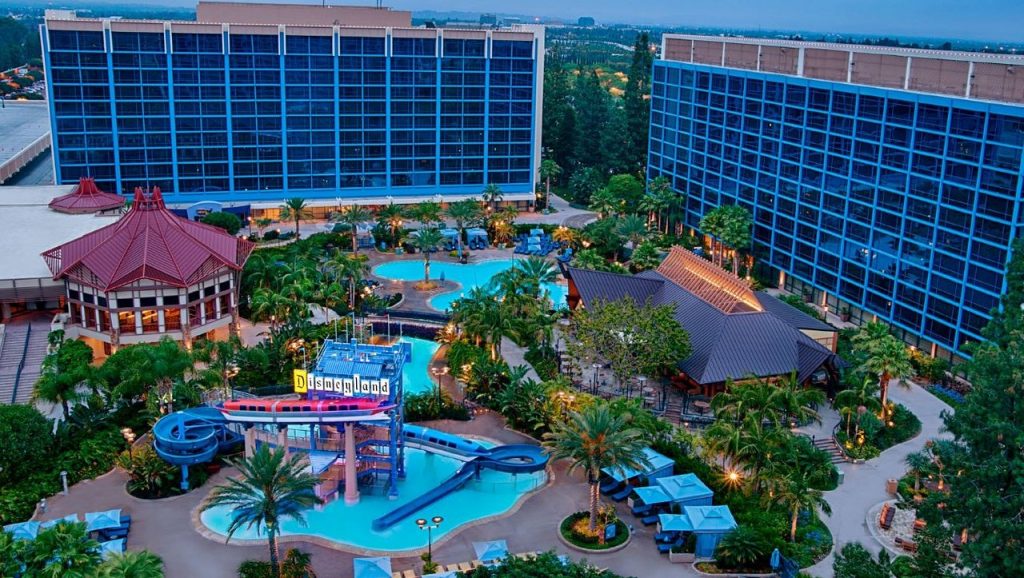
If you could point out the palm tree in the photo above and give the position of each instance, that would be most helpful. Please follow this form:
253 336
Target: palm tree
391 217
604 203
660 190
794 492
593 439
426 213
132 564
549 169
465 213
858 395
268 304
590 259
567 236
295 209
535 272
884 356
919 463
492 195
354 216
63 551
427 241
711 224
792 399
350 267
271 487
219 357
633 228
168 363
735 232
262 224
63 373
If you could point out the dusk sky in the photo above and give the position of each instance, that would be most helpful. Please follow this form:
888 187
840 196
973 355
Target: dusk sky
996 20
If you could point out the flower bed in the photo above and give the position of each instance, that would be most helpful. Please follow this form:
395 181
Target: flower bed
574 530
950 396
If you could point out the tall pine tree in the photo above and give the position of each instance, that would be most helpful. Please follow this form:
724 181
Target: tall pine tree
559 121
636 101
985 462
592 105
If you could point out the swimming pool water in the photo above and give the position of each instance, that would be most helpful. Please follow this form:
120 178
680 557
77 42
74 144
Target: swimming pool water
415 377
468 276
493 494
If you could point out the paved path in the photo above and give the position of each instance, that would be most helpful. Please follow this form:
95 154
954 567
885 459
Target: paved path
515 355
864 486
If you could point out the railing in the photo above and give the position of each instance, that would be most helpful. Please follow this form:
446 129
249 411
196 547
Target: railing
18 161
21 365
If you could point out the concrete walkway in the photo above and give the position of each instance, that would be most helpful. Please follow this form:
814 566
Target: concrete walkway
864 484
515 355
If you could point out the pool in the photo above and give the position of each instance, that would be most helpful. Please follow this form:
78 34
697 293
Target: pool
415 377
493 494
468 276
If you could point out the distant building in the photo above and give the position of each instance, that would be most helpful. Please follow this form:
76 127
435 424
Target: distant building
489 19
586 21
254 103
884 183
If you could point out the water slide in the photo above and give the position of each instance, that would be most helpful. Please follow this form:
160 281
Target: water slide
513 459
192 436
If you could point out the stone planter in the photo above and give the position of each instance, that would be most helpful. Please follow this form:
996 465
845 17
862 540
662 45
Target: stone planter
681 557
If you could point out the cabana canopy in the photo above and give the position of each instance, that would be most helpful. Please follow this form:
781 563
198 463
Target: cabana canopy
674 523
70 519
659 466
442 575
102 520
372 567
710 519
490 550
685 489
23 530
111 547
651 495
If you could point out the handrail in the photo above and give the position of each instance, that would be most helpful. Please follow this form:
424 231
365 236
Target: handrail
21 365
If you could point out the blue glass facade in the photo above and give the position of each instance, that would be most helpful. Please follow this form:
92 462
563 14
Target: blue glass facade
895 203
257 117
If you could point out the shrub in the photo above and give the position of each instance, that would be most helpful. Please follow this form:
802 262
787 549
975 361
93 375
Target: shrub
905 425
424 407
149 476
947 395
798 303
26 437
543 361
271 235
227 221
745 548
575 529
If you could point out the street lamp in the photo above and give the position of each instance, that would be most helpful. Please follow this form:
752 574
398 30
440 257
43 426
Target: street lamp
438 373
435 522
129 438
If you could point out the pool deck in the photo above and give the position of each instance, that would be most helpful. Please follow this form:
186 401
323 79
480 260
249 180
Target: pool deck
166 526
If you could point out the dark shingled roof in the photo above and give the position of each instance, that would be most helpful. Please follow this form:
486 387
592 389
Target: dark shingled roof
725 345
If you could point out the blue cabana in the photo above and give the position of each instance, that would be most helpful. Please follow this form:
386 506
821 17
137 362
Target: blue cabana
451 238
23 530
111 547
652 495
102 520
709 523
674 523
364 235
70 519
660 466
490 550
685 490
477 238
372 567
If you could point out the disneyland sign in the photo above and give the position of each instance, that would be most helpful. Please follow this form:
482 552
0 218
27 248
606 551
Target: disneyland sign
355 385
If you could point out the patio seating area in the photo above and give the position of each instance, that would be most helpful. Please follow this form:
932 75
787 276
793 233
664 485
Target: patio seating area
110 528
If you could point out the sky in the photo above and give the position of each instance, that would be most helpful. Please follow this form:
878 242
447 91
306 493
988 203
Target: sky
995 20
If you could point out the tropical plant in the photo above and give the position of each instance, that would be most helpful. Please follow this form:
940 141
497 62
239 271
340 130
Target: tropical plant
295 209
593 439
351 268
645 256
426 242
220 360
270 488
270 305
427 213
665 199
567 236
633 228
26 436
354 216
854 561
63 551
132 564
492 195
796 493
549 169
64 372
262 224
224 220
465 213
860 394
884 355
605 203
744 547
391 218
149 476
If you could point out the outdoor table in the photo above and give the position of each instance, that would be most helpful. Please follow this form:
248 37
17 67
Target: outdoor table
701 406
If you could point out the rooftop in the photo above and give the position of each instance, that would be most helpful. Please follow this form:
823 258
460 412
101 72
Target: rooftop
31 227
22 122
86 198
148 242
972 75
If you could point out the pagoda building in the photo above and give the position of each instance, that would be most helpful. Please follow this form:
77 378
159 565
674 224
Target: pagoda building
148 276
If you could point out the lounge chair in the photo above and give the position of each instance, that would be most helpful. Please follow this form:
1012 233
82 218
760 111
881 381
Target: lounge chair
409 574
476 563
666 548
649 520
622 494
465 567
396 575
610 486
641 509
666 537
452 568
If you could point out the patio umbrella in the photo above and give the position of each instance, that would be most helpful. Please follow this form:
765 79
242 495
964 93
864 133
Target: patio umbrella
23 530
70 518
490 550
442 575
372 567
675 523
652 495
102 520
111 547
776 559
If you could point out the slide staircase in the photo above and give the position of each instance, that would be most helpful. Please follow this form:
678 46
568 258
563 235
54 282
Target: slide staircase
514 459
193 436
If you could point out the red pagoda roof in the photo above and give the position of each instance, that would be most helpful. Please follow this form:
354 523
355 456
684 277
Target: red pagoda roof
148 242
86 198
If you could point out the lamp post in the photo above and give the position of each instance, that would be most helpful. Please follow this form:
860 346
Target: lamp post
435 522
438 373
596 366
129 438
